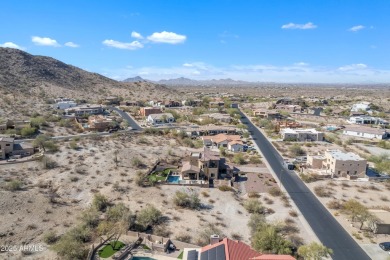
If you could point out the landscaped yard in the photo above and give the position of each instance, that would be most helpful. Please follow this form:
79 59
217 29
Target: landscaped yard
108 250
160 175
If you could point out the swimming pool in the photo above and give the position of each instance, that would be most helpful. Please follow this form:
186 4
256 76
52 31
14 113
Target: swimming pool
173 179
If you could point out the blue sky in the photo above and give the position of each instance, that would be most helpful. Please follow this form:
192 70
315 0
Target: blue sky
274 40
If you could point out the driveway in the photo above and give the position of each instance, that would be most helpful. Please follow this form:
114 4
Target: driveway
375 252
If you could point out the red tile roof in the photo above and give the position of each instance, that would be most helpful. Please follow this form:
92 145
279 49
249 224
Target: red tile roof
236 250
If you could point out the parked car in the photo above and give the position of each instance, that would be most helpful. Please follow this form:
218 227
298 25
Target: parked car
385 246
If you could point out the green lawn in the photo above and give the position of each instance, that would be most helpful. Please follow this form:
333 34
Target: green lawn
181 255
108 249
160 175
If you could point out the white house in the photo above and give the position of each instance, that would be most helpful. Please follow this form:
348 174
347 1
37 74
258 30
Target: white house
64 104
236 146
301 135
362 120
163 118
364 106
366 132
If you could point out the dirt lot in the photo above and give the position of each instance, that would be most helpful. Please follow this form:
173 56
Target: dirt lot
29 213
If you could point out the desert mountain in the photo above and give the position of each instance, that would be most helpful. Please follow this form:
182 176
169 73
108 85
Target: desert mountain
135 79
212 82
33 74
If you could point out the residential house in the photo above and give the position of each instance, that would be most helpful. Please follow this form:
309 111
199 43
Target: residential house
162 118
201 165
172 103
131 103
363 120
339 164
227 249
65 104
225 118
231 142
289 108
216 104
265 113
301 135
209 130
99 123
364 106
3 127
111 101
8 148
191 102
366 132
85 110
146 111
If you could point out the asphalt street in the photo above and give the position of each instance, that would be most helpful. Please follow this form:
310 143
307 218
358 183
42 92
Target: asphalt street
324 225
128 118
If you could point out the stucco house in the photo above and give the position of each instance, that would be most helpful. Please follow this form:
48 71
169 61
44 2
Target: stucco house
8 148
231 142
301 135
366 132
164 118
339 164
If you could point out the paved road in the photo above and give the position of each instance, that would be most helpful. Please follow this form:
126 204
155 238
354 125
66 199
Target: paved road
324 225
128 118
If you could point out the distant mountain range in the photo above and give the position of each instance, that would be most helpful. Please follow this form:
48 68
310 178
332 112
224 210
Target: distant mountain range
191 82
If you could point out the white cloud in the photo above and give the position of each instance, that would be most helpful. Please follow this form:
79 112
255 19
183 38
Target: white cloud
188 65
167 37
72 45
356 28
305 26
301 64
358 66
45 41
11 45
134 45
136 35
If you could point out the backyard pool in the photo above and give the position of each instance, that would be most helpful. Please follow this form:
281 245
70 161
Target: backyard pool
173 179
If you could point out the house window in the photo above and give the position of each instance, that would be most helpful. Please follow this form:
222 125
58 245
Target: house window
347 172
355 172
7 144
338 172
212 175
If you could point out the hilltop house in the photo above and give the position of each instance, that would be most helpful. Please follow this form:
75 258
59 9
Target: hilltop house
364 106
146 111
85 110
265 113
9 148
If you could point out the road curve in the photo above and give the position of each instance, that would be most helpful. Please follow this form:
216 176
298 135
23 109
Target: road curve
324 225
128 118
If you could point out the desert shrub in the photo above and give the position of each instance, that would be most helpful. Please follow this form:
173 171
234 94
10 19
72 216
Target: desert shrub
296 150
136 162
334 204
14 185
90 218
186 238
204 237
149 216
70 246
310 177
50 237
239 159
322 191
100 202
255 160
162 230
225 188
253 195
28 131
205 194
268 239
275 191
48 163
254 206
186 200
293 213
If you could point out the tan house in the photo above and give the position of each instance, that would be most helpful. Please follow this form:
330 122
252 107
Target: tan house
339 164
232 142
201 165
85 110
301 135
9 148
265 113
99 123
146 111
